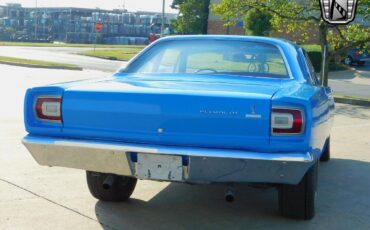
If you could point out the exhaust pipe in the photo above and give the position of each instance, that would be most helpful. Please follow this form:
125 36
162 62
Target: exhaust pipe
230 195
109 181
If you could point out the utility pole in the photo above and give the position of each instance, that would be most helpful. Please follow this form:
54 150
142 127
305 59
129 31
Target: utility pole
324 74
163 16
36 16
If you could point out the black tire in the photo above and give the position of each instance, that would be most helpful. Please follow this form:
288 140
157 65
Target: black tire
325 156
298 201
121 189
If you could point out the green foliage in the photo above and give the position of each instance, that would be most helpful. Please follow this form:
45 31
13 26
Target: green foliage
314 52
176 4
258 22
301 19
193 16
344 36
10 30
316 59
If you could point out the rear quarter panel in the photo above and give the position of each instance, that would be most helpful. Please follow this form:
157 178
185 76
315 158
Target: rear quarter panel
318 107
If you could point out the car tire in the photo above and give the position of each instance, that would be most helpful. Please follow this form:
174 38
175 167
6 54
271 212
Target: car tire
298 201
325 156
121 189
348 60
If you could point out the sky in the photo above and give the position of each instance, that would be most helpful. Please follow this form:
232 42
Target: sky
130 5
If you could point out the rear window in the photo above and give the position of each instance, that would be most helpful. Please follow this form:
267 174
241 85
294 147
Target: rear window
212 57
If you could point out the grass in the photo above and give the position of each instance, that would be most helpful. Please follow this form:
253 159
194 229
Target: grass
34 44
12 60
312 48
122 54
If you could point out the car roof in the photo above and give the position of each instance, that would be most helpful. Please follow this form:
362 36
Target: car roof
268 40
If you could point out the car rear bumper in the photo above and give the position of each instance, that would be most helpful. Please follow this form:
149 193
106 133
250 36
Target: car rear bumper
201 165
358 59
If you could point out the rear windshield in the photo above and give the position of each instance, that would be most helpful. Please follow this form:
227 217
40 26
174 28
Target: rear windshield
212 57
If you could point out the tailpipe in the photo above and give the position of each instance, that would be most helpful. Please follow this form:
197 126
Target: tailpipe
109 181
230 195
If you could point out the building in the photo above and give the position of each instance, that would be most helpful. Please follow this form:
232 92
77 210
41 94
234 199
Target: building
77 25
217 26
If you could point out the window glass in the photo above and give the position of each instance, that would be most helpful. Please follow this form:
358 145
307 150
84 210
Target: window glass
212 57
162 62
314 79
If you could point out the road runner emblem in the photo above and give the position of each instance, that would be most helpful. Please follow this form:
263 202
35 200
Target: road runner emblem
253 113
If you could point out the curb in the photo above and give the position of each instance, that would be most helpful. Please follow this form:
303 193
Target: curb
105 58
40 66
335 75
351 101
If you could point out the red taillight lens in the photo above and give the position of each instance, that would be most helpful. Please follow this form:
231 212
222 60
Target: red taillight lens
49 108
286 121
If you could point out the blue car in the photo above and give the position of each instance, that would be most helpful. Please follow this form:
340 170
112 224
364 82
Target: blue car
192 109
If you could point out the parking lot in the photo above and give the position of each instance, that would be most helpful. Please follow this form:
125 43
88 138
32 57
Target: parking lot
35 197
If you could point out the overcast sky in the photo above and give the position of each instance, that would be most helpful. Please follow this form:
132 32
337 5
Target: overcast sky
130 5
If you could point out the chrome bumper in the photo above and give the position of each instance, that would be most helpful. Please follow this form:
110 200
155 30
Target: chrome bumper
203 165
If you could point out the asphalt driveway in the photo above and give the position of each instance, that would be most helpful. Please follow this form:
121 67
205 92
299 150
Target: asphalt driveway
354 82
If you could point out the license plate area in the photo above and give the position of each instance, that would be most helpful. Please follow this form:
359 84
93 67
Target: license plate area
159 167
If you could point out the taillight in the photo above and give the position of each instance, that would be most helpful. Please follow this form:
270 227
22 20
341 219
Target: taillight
49 108
286 121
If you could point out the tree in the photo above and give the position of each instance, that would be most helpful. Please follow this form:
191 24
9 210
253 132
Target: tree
303 17
10 32
176 3
257 22
193 16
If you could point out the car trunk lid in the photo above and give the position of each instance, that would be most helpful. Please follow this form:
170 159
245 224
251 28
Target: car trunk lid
192 112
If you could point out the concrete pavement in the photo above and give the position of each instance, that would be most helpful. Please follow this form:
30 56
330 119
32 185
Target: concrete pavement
352 82
63 55
36 197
